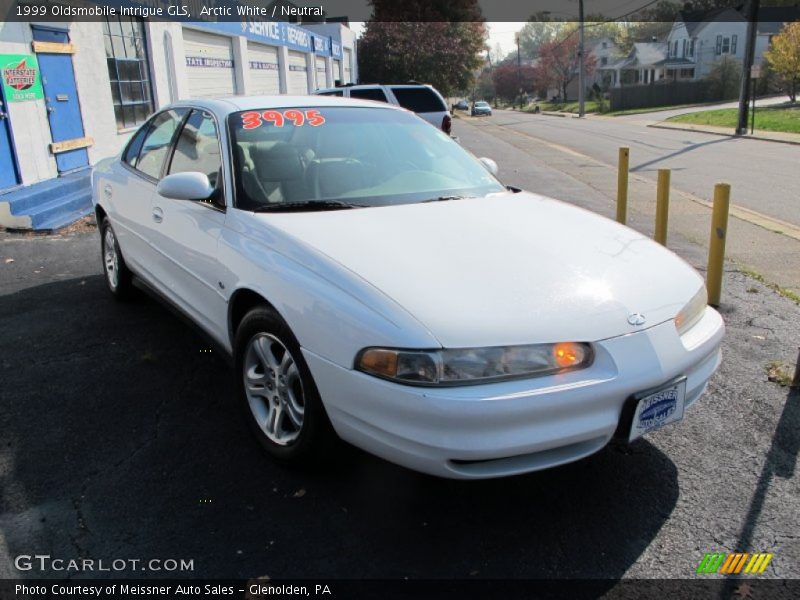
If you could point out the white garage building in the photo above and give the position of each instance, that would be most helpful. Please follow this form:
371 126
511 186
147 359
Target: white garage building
99 80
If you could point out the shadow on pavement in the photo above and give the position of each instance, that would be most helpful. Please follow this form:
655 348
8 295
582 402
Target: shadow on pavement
781 462
119 441
693 146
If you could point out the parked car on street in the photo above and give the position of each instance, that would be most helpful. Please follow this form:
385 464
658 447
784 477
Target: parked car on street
481 109
373 280
421 99
461 105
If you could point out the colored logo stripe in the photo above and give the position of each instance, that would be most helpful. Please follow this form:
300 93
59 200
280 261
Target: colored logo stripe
758 563
732 564
710 563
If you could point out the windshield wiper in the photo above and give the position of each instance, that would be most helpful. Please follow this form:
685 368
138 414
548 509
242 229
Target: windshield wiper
446 198
307 205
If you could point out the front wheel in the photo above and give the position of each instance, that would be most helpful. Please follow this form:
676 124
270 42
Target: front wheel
276 391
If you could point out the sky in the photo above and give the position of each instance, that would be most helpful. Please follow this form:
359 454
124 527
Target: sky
499 33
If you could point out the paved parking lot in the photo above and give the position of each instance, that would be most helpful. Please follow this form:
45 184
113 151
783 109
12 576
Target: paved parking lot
118 439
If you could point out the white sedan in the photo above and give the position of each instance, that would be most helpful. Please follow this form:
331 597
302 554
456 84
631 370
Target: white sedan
372 280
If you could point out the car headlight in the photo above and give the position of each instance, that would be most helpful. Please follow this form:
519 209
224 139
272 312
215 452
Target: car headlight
690 314
473 365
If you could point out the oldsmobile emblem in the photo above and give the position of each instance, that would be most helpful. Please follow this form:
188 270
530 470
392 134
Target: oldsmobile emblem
636 319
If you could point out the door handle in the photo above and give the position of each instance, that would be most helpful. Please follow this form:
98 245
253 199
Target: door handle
158 215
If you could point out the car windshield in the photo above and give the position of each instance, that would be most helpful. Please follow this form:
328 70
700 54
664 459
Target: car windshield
345 156
482 104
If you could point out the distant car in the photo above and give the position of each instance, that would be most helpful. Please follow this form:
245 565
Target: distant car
481 109
371 278
461 105
421 99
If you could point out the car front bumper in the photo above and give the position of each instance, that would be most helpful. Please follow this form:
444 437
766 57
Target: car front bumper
494 430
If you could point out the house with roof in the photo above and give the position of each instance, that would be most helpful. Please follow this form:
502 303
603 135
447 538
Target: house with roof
645 64
698 40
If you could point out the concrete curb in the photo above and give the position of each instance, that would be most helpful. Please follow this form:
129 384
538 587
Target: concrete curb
710 131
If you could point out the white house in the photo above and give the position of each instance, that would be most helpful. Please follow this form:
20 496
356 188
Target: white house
644 64
698 40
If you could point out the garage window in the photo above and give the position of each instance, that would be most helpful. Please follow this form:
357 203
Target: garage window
128 72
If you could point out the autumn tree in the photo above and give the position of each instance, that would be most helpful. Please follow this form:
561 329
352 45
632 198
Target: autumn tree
435 41
509 78
783 57
559 61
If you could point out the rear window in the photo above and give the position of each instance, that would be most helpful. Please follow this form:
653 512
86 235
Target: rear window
420 100
369 94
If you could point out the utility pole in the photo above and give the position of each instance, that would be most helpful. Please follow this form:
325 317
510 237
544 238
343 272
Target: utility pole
751 14
519 73
581 82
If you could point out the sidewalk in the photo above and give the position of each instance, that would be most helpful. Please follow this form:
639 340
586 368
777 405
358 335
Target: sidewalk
767 136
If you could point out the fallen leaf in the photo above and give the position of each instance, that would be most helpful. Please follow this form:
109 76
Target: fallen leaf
9 261
300 493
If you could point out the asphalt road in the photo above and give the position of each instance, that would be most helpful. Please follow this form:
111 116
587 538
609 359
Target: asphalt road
762 174
118 439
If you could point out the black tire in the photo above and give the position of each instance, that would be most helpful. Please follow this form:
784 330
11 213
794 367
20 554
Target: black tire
315 439
117 276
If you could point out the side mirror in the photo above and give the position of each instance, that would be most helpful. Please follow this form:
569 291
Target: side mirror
186 186
490 165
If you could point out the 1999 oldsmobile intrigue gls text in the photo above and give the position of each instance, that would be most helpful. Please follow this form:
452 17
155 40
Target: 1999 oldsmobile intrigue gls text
374 281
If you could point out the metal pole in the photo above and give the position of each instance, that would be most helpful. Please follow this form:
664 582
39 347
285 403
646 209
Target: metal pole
716 244
519 74
622 185
662 207
581 82
753 109
751 14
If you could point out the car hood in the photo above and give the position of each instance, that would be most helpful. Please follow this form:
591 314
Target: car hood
503 269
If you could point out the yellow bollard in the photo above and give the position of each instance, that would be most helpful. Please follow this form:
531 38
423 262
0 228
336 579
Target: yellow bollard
716 245
622 185
662 207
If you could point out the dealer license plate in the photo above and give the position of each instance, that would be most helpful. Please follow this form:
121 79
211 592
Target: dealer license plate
658 409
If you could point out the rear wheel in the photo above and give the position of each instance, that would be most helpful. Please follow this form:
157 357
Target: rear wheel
117 275
276 391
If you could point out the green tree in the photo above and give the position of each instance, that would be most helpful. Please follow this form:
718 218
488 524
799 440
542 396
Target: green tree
783 58
539 30
484 88
724 77
431 41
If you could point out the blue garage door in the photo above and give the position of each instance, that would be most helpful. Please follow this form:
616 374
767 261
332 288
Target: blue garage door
61 99
8 165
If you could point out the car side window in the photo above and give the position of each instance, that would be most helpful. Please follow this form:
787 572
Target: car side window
418 99
369 94
131 156
197 148
337 93
156 145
